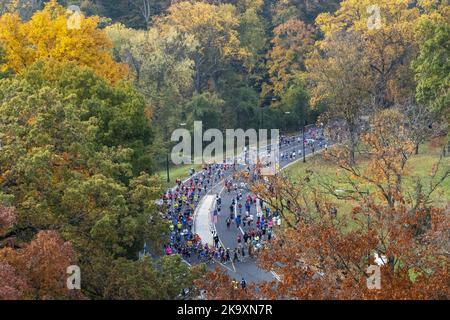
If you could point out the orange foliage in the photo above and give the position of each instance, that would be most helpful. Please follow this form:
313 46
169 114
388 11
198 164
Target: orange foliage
48 36
38 270
319 255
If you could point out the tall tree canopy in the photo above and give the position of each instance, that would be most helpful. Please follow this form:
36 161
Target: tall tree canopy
388 47
48 35
432 66
215 29
292 41
67 165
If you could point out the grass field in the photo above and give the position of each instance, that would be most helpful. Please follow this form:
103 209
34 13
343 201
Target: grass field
176 172
182 171
418 167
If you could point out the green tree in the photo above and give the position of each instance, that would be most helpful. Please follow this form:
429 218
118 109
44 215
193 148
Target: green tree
63 177
252 35
163 70
123 118
147 279
215 28
296 102
432 67
205 107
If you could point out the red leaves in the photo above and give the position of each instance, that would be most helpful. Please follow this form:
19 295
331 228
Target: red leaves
320 257
38 270
12 286
219 286
7 219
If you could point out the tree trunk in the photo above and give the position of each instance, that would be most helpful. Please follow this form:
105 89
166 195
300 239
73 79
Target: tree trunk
353 141
197 76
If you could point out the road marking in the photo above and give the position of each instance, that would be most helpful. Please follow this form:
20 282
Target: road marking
220 240
240 228
186 262
319 151
226 266
276 275
232 263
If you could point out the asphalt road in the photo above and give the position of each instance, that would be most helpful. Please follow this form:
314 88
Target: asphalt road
248 268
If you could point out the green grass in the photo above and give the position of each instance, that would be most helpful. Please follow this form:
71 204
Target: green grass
176 172
182 171
418 167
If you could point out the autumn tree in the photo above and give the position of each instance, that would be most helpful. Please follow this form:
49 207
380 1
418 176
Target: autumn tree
48 35
389 44
383 75
13 286
67 167
43 265
339 78
388 147
214 27
36 270
229 289
420 122
7 218
431 67
321 255
304 10
292 41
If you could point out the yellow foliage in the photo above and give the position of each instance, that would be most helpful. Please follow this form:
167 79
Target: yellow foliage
256 5
214 26
386 34
292 41
32 121
48 36
353 15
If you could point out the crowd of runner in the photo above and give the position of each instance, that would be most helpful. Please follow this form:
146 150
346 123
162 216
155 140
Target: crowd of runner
181 201
252 220
247 214
314 138
253 225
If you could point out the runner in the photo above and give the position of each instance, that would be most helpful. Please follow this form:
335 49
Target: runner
180 203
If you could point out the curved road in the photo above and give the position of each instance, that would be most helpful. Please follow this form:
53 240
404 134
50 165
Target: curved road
247 268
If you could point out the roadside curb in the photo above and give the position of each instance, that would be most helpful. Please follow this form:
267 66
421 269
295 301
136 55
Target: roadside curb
195 216
307 156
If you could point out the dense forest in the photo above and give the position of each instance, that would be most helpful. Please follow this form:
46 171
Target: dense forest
250 59
86 114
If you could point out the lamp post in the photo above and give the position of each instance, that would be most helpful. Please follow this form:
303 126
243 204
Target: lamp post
167 159
271 99
262 117
287 113
167 167
303 141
